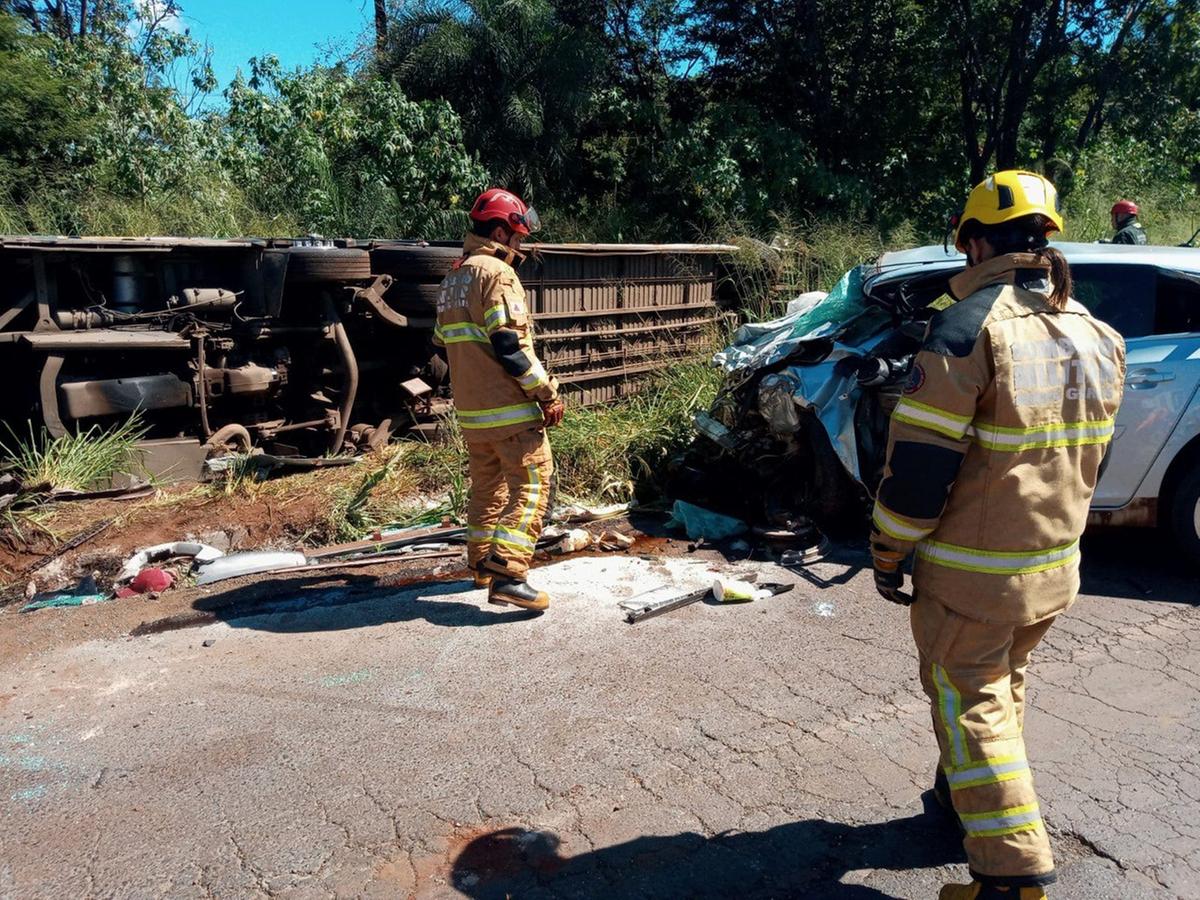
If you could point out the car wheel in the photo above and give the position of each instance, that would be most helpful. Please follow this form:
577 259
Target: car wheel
310 265
1184 517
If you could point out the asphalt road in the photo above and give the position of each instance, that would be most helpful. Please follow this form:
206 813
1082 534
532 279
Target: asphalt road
348 739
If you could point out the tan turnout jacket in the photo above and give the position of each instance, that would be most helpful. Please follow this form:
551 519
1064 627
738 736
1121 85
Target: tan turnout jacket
479 298
996 446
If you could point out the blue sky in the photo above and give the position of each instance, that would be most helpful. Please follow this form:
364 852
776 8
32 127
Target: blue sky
299 32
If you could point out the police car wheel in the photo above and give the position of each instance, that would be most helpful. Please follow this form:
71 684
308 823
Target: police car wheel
1185 515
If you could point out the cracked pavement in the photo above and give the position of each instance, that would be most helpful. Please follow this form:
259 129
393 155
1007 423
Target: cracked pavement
415 742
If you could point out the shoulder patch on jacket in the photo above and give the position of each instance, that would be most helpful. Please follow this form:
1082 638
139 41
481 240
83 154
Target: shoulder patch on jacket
954 330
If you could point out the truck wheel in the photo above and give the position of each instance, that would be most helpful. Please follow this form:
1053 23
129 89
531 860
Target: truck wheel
414 298
1184 517
427 265
311 265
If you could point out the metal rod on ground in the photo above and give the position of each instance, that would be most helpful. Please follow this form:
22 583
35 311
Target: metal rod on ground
658 601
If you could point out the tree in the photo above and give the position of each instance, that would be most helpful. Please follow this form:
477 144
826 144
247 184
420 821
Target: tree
349 156
520 79
66 19
37 111
381 25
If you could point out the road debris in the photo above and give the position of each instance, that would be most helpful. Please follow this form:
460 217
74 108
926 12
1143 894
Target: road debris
250 562
151 581
704 524
85 593
792 559
389 540
571 514
572 541
614 540
79 540
660 600
733 590
200 553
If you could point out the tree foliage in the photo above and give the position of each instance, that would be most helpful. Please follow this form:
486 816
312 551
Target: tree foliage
623 118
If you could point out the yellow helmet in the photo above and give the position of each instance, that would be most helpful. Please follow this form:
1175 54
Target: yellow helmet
1010 195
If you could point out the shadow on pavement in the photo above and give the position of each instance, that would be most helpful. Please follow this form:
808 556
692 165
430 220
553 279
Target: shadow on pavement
341 602
1137 564
801 859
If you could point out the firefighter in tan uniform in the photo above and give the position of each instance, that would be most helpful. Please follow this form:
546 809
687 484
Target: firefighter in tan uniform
503 397
994 452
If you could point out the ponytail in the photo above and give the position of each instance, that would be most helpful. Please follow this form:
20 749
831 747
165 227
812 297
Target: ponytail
1060 276
1028 234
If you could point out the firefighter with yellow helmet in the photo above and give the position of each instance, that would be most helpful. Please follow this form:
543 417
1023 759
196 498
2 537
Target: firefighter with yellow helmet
994 452
503 397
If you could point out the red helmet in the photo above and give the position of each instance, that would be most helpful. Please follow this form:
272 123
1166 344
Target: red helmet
1124 208
497 203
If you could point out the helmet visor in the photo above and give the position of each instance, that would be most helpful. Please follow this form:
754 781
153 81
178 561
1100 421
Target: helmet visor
533 222
530 220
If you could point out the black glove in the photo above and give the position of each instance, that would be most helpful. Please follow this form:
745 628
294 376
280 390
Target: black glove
889 576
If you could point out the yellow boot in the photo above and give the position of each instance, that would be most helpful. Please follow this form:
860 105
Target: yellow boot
977 891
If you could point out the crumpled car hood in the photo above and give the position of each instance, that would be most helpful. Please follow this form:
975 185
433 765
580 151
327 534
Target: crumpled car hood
848 326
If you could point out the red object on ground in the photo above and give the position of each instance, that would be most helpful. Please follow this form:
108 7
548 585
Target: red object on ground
148 581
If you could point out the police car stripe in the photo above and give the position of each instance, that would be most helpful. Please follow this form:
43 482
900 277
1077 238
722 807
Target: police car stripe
997 562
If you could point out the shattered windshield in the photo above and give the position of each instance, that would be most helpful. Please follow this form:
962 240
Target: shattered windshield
843 314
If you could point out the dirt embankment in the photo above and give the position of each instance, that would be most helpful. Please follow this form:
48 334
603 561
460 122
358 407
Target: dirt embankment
286 517
33 558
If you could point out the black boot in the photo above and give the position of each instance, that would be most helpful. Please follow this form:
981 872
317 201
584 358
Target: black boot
517 593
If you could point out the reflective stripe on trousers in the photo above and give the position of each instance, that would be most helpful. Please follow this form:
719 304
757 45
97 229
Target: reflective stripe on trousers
974 675
509 493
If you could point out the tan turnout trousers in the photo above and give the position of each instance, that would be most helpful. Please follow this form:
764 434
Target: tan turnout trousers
510 490
974 675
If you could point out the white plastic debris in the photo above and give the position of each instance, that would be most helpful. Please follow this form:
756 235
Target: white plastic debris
202 553
573 541
252 562
731 590
575 513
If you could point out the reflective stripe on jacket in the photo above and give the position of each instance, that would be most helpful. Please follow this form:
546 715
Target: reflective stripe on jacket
995 447
481 296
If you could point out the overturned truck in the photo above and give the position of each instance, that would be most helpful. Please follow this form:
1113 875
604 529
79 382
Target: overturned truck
306 347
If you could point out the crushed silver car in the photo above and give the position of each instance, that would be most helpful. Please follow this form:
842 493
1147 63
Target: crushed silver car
800 425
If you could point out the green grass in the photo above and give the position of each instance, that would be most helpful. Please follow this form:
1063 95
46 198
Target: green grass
616 452
601 454
80 462
769 270
1170 207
